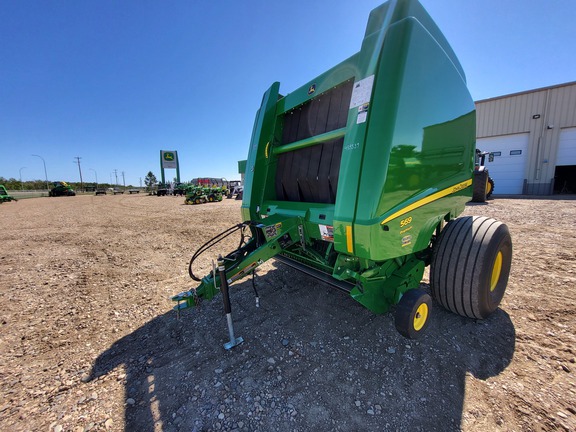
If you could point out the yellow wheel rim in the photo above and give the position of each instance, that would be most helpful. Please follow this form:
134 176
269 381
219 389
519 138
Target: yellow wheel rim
488 187
496 270
421 316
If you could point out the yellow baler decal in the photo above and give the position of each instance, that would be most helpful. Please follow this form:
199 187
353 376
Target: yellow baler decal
349 244
435 196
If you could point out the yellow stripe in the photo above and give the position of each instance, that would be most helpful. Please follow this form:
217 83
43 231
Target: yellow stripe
435 196
266 150
349 238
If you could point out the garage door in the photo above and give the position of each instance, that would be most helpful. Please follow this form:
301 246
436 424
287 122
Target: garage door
567 147
509 166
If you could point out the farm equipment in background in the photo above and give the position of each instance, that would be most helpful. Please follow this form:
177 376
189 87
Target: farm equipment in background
179 189
215 194
61 188
5 196
234 189
358 177
196 194
163 189
199 194
483 184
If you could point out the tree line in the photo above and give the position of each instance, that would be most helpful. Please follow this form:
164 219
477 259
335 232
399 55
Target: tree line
15 184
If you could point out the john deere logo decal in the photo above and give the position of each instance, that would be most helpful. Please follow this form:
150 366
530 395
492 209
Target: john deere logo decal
311 89
168 156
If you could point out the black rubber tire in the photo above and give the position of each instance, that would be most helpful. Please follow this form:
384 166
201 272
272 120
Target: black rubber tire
479 186
490 186
465 276
413 313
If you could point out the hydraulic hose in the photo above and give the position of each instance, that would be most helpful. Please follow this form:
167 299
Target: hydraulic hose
213 241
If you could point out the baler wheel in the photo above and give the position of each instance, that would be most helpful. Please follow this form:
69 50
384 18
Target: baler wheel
470 266
197 201
412 313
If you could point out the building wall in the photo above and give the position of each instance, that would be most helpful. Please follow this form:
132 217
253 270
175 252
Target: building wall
542 113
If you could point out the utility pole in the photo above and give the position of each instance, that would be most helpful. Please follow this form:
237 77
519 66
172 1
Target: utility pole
123 180
116 175
80 171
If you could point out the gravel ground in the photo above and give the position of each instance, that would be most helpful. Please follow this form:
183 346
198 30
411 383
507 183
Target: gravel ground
89 341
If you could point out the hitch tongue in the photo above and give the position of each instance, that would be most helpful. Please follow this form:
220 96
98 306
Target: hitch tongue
227 308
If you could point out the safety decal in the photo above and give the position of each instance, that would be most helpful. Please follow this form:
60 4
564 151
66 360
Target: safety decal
362 92
327 232
406 240
273 230
362 113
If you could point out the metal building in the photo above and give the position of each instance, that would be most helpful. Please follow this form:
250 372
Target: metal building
533 137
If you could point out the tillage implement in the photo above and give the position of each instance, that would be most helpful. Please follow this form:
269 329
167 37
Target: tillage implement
358 177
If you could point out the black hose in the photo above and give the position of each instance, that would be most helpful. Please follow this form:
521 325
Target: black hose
213 241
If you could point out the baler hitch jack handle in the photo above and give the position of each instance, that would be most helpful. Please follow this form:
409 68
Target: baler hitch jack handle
227 307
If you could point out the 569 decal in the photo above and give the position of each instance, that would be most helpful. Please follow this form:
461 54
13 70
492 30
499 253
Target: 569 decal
405 222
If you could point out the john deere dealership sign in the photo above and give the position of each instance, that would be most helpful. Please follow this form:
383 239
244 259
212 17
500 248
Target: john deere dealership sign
169 159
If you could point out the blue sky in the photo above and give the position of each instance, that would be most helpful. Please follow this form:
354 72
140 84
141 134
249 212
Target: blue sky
115 82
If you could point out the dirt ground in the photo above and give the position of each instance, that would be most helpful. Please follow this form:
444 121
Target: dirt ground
89 341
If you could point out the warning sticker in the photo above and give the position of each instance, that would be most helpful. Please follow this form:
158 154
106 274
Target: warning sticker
362 92
327 232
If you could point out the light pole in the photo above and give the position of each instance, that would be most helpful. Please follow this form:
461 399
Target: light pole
96 174
21 185
45 173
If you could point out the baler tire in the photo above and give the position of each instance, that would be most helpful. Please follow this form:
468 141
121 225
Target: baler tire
412 313
489 187
479 186
470 266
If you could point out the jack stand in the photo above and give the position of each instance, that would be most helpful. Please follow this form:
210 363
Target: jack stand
227 308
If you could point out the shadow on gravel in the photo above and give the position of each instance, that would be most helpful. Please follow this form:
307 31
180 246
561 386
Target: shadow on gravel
313 359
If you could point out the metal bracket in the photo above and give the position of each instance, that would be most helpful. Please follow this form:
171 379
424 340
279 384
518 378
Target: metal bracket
302 239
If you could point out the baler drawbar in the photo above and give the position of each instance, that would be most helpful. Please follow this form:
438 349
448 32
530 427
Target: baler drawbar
358 177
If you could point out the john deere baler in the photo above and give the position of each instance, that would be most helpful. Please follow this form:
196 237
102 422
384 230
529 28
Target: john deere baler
352 177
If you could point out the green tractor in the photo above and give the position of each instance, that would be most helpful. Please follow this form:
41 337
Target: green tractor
61 188
179 189
483 184
358 177
196 195
215 194
4 196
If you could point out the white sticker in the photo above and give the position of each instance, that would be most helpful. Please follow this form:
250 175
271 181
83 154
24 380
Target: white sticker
327 232
361 117
362 92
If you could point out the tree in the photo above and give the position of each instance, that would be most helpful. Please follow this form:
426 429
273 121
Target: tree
150 180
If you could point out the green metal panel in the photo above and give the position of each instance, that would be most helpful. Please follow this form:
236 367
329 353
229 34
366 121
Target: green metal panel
242 167
411 136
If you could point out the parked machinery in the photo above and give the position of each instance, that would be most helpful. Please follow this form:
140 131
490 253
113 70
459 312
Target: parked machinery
61 188
358 178
5 196
483 184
